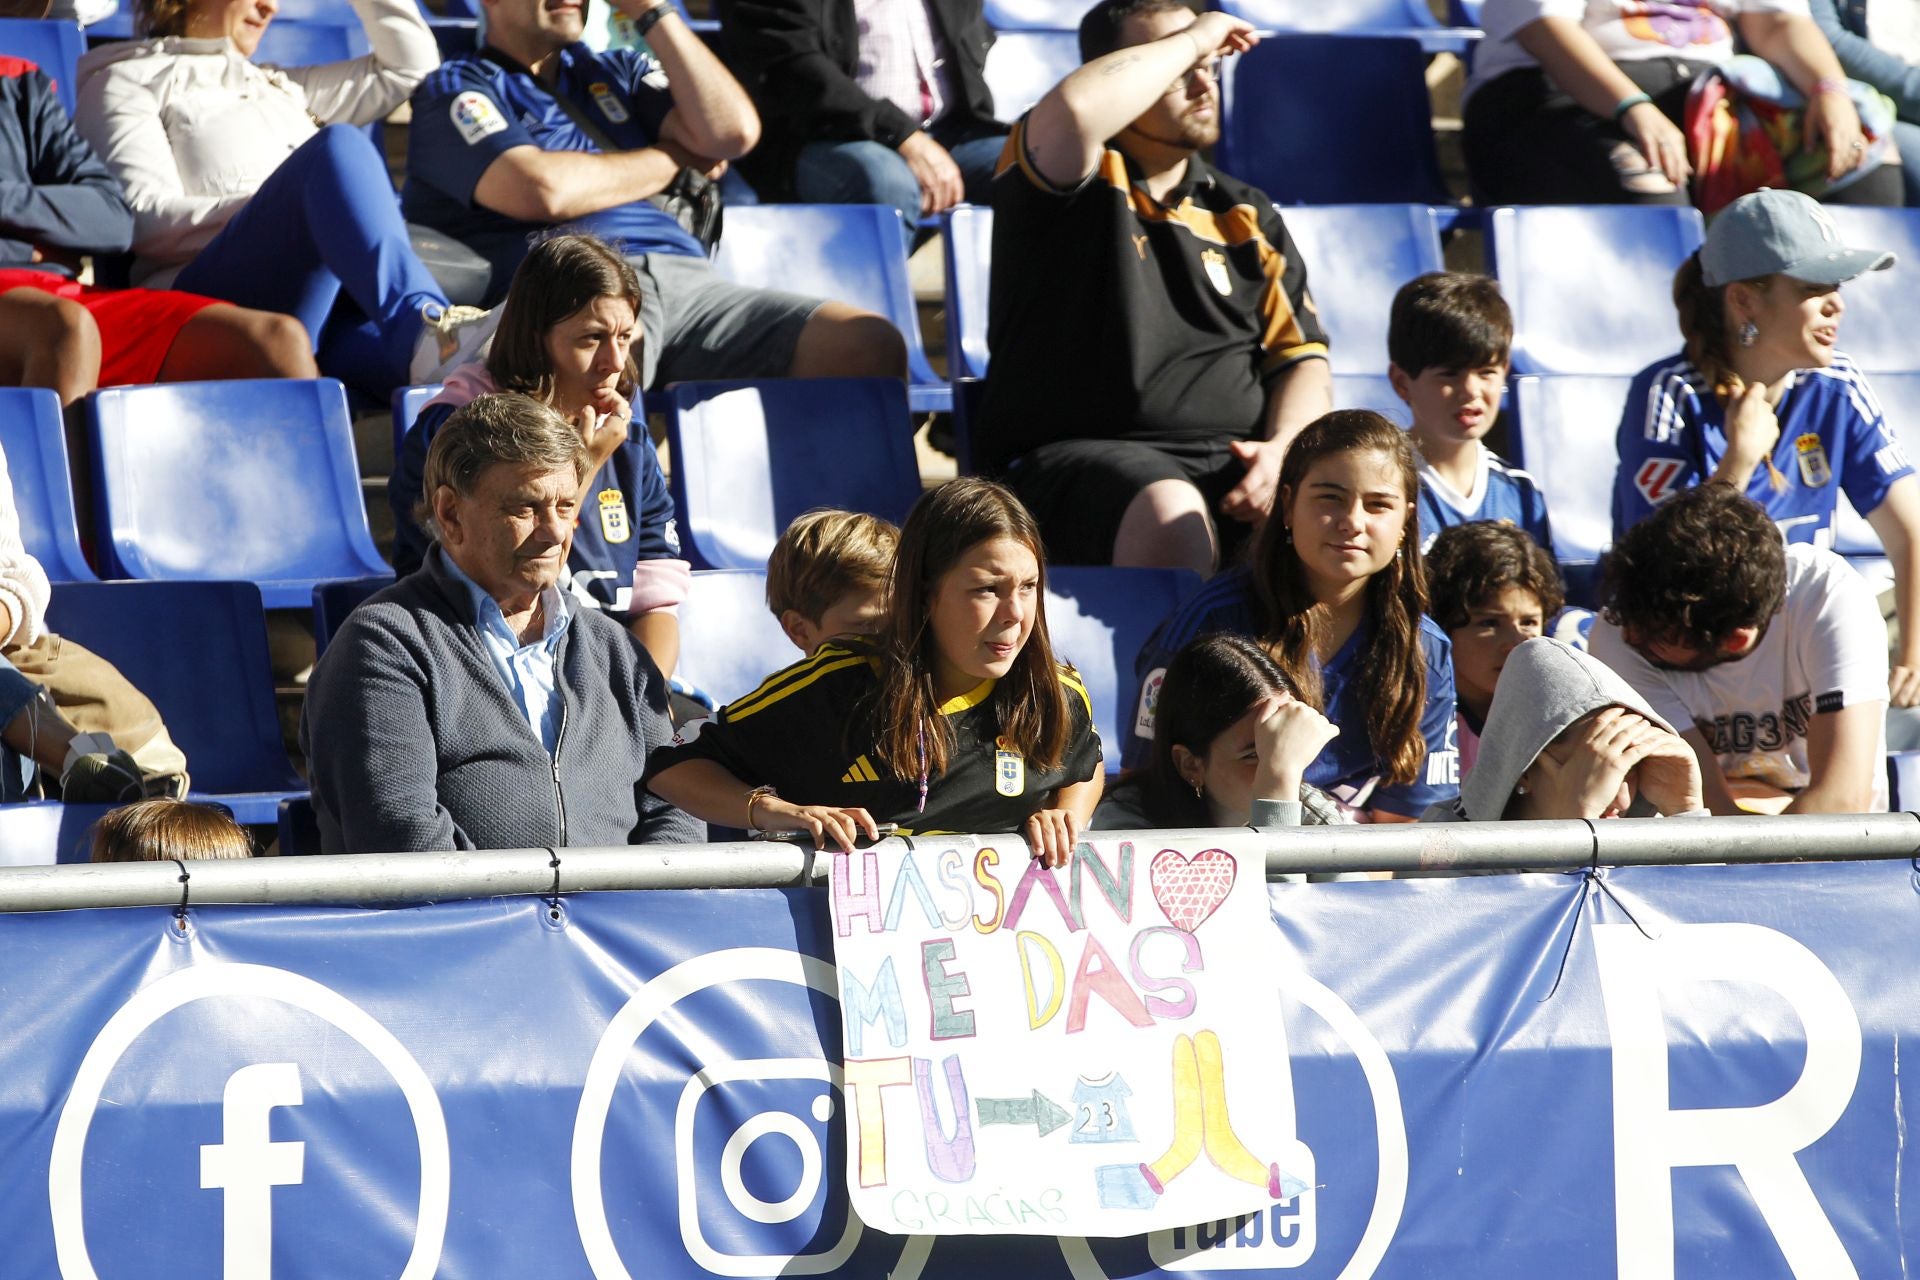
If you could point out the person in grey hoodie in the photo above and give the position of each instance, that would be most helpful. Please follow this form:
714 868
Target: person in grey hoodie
1568 738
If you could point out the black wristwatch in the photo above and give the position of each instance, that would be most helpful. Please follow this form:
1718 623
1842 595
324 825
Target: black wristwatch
646 21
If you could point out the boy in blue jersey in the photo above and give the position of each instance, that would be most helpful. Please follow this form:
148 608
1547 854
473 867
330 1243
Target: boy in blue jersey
1761 398
1448 338
537 130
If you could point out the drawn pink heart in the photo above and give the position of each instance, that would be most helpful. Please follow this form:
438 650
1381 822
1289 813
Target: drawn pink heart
1191 889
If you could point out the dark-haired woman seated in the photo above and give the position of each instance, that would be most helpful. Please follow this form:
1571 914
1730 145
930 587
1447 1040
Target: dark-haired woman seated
1231 744
954 720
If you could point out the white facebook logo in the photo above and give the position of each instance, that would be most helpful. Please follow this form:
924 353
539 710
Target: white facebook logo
247 1164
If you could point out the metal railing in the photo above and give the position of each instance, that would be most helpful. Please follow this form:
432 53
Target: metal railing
391 879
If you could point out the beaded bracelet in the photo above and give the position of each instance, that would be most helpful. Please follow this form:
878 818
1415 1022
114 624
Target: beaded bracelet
1830 86
1628 103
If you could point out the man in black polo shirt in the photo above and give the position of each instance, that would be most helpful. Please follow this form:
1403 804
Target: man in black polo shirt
1154 346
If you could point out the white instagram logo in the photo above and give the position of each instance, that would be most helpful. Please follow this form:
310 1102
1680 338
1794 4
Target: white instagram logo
732 1155
610 1062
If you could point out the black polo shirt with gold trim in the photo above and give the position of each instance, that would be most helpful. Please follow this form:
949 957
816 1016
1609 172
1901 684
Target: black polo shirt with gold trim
807 731
1116 316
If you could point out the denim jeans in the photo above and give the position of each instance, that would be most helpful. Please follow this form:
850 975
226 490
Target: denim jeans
325 222
16 691
874 173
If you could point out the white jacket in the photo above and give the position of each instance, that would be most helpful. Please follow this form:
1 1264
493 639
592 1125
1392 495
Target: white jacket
192 129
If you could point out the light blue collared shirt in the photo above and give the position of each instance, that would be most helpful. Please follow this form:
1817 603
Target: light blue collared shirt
527 669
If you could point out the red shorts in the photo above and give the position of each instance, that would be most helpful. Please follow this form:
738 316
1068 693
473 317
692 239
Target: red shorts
137 326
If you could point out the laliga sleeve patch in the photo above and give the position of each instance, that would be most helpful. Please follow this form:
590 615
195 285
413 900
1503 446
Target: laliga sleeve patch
1149 700
1657 479
475 117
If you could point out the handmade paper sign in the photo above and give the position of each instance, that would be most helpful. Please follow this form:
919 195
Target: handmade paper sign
1074 1052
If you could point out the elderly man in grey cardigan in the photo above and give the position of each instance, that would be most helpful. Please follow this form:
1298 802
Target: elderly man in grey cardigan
468 706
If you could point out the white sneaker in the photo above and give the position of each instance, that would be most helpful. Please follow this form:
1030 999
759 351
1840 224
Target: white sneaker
452 337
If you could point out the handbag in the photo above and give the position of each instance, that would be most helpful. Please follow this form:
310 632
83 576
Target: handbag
1744 124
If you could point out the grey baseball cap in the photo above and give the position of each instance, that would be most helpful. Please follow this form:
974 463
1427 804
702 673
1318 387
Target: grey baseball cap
1771 231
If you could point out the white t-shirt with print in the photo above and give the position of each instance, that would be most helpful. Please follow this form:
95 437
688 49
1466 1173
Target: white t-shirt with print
1826 649
1625 30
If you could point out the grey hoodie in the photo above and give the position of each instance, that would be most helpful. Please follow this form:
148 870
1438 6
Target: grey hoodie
1544 687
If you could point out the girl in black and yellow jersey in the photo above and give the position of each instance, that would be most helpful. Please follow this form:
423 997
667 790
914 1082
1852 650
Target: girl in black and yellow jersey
955 718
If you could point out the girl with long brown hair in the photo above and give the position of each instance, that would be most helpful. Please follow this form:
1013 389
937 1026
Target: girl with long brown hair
954 719
1336 592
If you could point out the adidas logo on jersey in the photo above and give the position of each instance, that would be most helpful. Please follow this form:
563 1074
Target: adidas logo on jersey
862 771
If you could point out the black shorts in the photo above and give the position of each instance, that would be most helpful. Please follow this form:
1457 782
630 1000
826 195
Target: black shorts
1079 489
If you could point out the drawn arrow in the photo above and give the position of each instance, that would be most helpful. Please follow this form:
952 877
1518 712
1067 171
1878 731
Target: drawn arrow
1039 1111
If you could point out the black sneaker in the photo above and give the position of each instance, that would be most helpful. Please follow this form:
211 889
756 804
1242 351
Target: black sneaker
103 777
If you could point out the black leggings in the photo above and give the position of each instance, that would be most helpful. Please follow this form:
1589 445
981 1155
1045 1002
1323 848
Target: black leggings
1526 142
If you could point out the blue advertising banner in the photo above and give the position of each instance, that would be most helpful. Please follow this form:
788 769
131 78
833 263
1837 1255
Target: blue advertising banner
1656 1073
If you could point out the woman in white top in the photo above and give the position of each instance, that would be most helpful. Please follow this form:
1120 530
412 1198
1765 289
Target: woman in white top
1576 101
254 184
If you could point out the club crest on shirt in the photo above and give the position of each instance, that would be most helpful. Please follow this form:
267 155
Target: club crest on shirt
1812 456
609 103
1009 770
475 117
614 525
1216 264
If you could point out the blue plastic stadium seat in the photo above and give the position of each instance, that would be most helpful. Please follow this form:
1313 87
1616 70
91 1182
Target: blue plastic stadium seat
1591 286
967 233
1097 618
750 456
1348 17
35 447
52 45
215 481
1370 391
40 833
299 828
309 43
729 642
1023 65
1034 15
1899 397
198 650
406 406
1903 781
1381 151
1358 256
333 601
1564 435
1878 327
851 252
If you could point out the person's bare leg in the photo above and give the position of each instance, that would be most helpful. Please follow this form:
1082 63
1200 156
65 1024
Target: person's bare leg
48 342
1166 526
842 341
226 341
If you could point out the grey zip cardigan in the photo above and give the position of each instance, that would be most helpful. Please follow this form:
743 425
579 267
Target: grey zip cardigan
413 742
